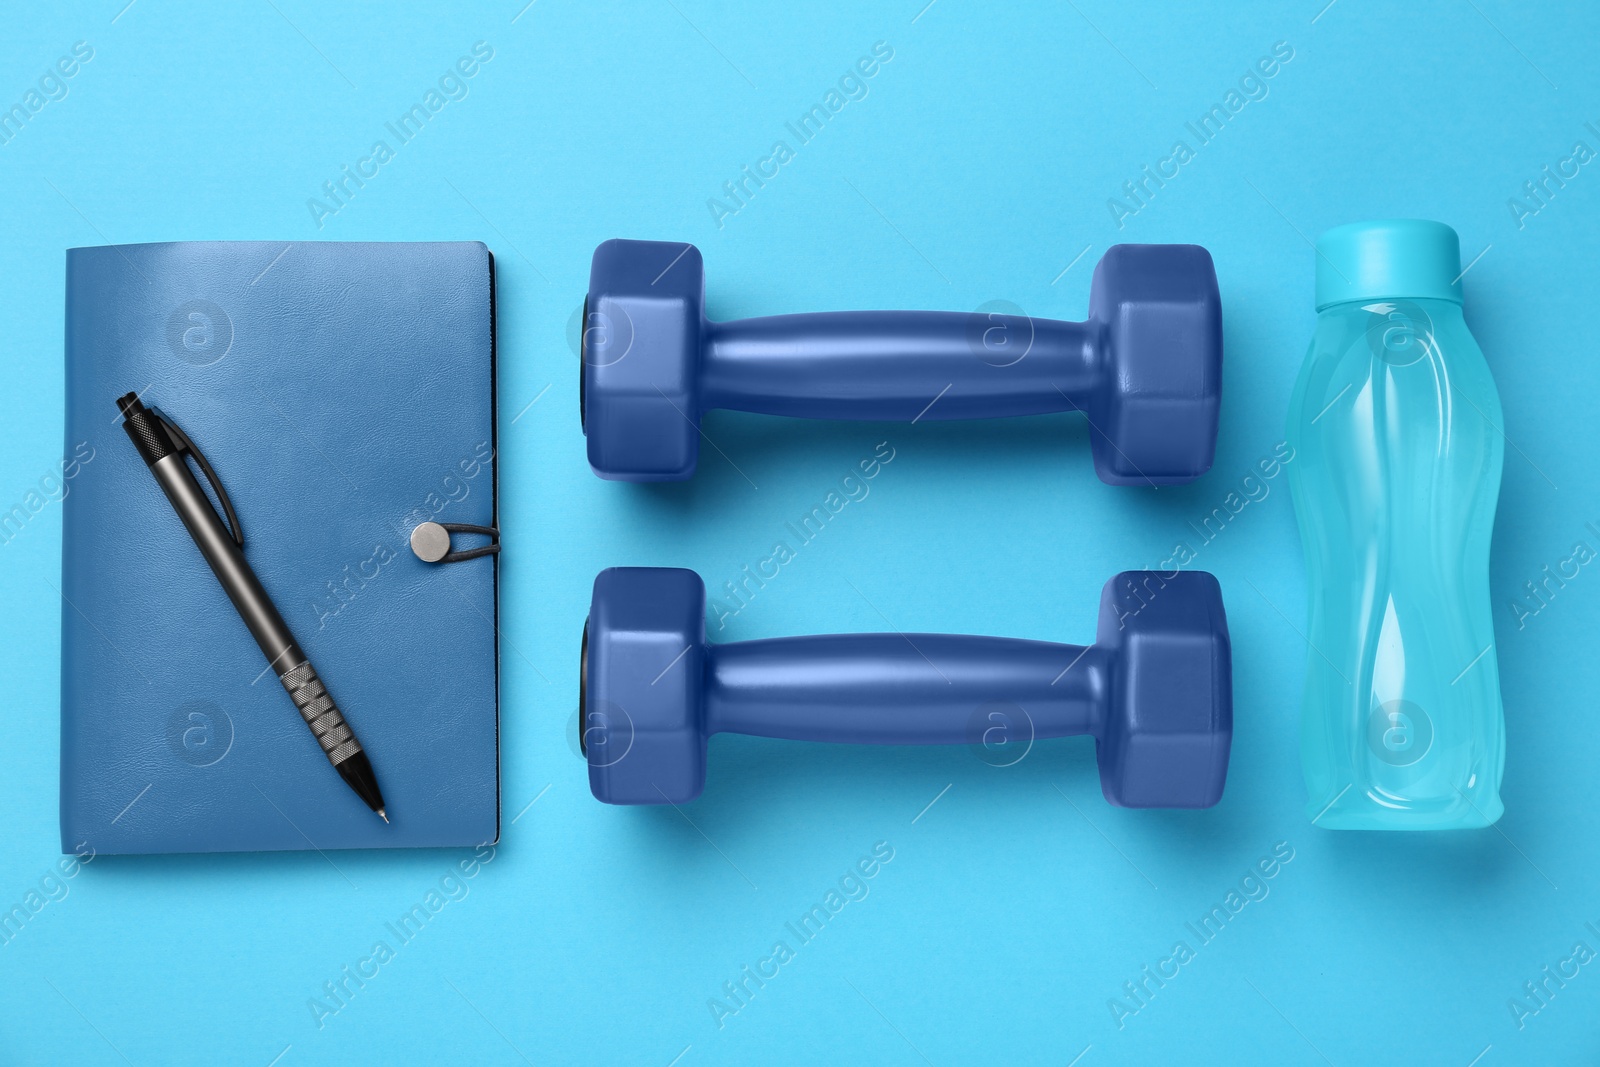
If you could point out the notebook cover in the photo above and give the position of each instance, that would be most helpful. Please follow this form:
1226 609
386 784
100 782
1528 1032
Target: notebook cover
343 393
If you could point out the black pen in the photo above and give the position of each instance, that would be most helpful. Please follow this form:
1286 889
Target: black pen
163 447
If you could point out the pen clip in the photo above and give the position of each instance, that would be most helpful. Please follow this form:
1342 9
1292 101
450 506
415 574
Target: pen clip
181 439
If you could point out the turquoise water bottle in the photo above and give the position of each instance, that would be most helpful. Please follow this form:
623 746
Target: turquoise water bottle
1396 431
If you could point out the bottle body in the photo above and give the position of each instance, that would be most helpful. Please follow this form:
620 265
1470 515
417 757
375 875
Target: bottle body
1398 446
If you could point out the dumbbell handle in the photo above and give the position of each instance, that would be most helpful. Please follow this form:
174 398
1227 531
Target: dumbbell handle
894 689
893 365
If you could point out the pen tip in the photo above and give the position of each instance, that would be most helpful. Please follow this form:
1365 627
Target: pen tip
382 816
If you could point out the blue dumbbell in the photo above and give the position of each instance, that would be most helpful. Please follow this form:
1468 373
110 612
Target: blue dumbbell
1146 368
1155 690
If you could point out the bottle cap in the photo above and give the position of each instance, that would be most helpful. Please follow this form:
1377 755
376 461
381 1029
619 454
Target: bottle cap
1390 258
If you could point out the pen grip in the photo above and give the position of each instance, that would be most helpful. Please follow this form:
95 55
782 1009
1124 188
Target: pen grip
320 713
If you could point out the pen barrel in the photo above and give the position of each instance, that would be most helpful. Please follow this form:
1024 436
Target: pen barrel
320 713
255 607
227 562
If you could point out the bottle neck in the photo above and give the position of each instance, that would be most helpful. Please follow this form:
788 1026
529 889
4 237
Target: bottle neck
1400 332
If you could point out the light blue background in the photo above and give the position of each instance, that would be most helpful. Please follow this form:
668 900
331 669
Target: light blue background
977 168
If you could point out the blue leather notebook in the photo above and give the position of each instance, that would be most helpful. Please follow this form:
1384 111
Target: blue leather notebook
343 393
